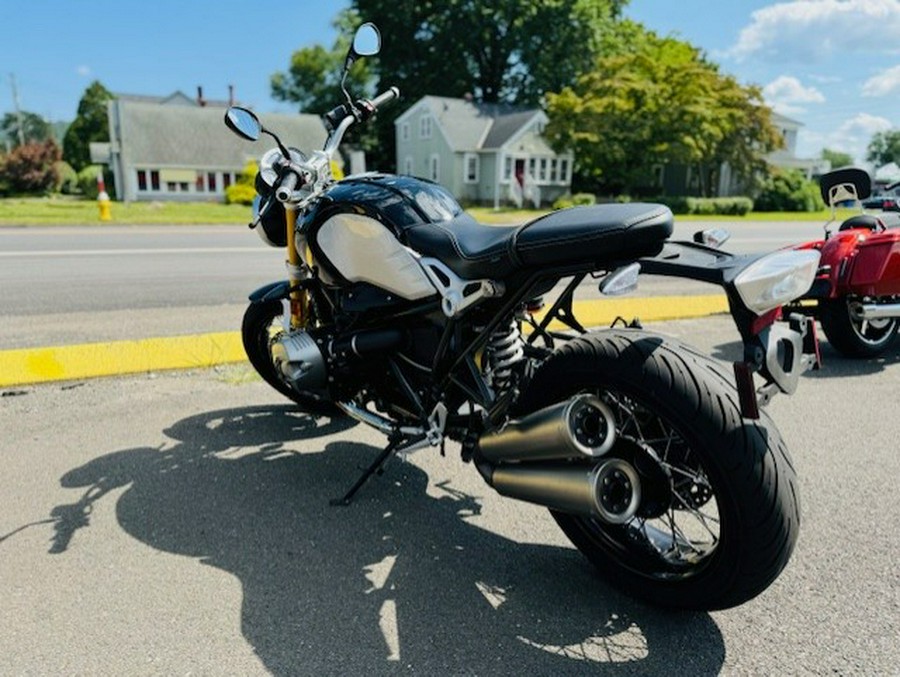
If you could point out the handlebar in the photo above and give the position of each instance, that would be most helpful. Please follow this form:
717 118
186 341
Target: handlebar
286 187
385 97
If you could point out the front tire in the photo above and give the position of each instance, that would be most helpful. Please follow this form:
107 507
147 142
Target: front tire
726 513
854 337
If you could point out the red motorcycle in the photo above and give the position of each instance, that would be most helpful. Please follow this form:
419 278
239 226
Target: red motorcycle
856 293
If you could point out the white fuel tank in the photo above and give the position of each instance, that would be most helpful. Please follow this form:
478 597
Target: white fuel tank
363 250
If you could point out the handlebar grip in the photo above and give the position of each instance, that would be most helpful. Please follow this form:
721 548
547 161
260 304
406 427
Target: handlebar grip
287 186
384 97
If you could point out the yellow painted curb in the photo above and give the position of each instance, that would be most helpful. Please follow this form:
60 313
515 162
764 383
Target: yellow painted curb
66 363
602 312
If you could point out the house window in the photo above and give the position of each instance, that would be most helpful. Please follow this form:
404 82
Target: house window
554 168
142 179
404 131
564 170
425 127
471 168
507 168
542 173
211 182
154 180
532 167
434 168
171 186
408 165
198 183
226 180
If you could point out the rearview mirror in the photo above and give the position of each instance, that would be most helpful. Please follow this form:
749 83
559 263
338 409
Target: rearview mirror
243 122
367 41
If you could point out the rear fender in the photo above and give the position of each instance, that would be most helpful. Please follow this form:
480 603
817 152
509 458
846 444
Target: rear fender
779 353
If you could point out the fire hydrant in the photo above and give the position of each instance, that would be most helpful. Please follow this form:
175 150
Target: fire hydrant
103 201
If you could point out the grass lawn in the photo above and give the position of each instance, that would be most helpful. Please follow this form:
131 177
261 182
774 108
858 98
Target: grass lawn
55 211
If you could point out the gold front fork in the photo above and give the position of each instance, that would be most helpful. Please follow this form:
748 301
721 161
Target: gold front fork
299 297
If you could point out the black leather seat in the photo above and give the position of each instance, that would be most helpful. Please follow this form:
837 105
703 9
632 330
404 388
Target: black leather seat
861 221
597 235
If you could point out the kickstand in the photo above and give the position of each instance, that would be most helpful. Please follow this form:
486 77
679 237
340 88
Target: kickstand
376 467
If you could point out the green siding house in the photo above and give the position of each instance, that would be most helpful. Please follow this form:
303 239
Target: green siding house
482 153
178 148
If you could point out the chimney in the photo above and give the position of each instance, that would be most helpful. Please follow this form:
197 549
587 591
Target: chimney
200 100
230 95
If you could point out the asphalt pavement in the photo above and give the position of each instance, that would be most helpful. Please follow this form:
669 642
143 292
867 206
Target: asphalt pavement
178 523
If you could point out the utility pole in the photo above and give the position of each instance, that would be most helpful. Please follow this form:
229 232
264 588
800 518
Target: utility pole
15 93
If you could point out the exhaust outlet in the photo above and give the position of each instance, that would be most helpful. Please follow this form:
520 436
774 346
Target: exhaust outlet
610 490
872 311
581 427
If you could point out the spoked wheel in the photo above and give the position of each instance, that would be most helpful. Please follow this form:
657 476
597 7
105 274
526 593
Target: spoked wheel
852 335
261 327
698 506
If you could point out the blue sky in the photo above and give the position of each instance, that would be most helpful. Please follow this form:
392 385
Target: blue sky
833 65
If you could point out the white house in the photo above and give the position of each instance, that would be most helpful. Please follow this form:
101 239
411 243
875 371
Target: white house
482 153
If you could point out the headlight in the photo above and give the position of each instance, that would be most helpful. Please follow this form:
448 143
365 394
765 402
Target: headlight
777 279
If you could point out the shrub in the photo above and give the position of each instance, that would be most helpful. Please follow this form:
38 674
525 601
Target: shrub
727 206
576 200
67 179
788 191
244 190
31 168
87 182
240 193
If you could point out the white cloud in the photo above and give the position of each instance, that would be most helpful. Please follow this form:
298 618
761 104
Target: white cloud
810 29
786 94
852 136
83 71
883 83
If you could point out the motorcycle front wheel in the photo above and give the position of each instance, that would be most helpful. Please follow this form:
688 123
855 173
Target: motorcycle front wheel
852 336
718 513
261 326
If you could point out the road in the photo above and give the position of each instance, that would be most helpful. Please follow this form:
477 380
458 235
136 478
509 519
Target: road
178 523
86 284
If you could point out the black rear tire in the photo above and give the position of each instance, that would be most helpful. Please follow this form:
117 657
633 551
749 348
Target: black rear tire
261 325
853 337
741 464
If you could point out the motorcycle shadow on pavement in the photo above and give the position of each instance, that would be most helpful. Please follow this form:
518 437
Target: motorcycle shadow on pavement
398 581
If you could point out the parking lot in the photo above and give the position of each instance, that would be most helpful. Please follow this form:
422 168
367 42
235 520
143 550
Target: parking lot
178 523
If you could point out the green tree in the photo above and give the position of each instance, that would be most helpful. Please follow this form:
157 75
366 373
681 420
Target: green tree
31 168
658 101
884 147
494 50
313 78
837 158
34 128
91 124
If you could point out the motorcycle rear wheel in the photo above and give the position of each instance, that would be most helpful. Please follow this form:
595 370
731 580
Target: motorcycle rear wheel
260 327
732 514
853 337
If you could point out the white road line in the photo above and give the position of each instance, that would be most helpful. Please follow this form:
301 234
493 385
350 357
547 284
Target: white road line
129 252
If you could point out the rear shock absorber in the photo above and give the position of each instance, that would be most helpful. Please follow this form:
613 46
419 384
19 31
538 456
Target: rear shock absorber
504 349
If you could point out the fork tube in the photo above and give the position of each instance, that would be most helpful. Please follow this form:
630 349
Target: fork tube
298 296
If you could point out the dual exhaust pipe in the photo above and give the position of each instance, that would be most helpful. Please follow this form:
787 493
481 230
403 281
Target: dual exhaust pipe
554 457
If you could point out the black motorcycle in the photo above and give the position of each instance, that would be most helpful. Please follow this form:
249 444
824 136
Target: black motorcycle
404 313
